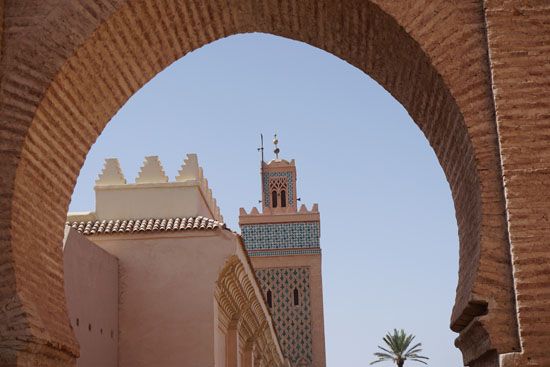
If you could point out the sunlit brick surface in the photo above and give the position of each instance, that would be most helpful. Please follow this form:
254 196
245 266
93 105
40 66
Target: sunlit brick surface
472 74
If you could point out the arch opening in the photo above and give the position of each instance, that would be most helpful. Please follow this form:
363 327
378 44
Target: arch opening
274 199
306 154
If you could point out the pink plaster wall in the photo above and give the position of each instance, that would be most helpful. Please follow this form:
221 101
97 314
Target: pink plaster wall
166 304
91 288
219 339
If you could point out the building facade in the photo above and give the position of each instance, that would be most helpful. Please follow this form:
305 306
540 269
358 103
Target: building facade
283 242
91 289
167 284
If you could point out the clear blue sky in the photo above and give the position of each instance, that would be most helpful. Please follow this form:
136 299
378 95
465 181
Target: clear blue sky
389 234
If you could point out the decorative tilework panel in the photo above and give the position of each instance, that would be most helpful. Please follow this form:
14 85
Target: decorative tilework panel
281 235
306 251
267 194
293 323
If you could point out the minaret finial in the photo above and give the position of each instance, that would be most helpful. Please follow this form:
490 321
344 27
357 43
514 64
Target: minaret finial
276 150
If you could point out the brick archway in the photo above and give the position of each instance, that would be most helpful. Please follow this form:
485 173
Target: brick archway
67 69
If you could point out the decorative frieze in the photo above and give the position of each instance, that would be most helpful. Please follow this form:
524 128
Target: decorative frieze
290 309
270 236
290 252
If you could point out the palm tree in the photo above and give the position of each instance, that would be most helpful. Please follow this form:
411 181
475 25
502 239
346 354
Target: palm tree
398 349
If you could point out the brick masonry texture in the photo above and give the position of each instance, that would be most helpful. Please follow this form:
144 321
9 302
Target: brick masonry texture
519 39
472 74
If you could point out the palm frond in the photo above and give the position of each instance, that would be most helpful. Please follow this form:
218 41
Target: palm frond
398 348
418 360
410 350
385 350
384 355
406 340
379 360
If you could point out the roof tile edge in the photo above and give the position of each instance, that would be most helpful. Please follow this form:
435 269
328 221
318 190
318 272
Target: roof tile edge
146 225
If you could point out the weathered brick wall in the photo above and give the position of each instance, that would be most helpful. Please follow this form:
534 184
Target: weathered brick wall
519 44
69 65
454 37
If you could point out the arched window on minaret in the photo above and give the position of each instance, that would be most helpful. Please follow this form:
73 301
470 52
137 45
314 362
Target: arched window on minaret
274 198
269 299
283 198
296 297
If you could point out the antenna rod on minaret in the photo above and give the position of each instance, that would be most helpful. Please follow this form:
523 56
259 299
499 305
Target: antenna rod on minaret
261 148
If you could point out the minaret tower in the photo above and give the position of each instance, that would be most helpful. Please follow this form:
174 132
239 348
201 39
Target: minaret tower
283 243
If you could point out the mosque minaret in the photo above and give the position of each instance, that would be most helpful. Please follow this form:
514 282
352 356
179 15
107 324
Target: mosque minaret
283 242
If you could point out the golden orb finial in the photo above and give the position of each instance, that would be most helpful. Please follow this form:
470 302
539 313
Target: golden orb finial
276 150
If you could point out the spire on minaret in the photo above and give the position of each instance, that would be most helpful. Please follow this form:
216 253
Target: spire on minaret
276 150
278 183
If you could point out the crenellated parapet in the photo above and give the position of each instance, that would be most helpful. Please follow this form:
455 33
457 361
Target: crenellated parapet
153 195
192 173
111 174
241 306
283 215
151 171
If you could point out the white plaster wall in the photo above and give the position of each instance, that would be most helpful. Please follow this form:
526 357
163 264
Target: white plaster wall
166 309
150 201
91 288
